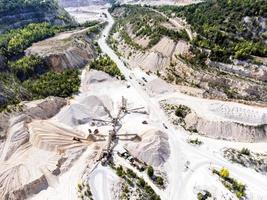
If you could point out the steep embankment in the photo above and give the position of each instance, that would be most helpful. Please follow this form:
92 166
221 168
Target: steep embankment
38 58
22 23
20 13
164 43
72 49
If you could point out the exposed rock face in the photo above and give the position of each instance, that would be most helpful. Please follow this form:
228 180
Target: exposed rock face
153 149
246 70
66 50
26 16
226 129
158 57
174 61
158 86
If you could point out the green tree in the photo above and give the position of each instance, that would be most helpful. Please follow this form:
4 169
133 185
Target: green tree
150 171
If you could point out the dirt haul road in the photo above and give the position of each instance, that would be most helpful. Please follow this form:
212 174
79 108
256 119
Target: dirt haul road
180 149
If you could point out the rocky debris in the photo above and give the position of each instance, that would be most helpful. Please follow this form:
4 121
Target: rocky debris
14 127
93 76
88 108
23 175
149 61
226 129
239 113
217 84
54 137
182 48
258 72
229 122
157 58
165 46
153 149
247 158
72 49
46 108
158 86
50 144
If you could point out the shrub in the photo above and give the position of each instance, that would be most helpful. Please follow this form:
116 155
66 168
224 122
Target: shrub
141 183
245 151
159 181
224 172
119 171
182 111
150 171
130 173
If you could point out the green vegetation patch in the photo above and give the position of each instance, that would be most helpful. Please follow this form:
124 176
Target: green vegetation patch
84 191
11 90
11 5
230 183
143 22
14 42
54 84
105 64
222 28
28 67
203 195
133 184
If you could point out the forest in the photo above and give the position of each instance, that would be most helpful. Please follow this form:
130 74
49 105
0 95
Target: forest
228 28
54 84
13 5
29 73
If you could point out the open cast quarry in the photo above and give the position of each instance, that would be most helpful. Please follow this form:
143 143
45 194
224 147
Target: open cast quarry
73 148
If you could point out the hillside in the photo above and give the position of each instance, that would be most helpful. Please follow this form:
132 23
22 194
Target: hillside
16 14
215 57
242 34
31 70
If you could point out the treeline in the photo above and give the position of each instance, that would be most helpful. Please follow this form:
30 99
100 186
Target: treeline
222 28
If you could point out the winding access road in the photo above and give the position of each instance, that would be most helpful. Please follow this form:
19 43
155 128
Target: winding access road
181 151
